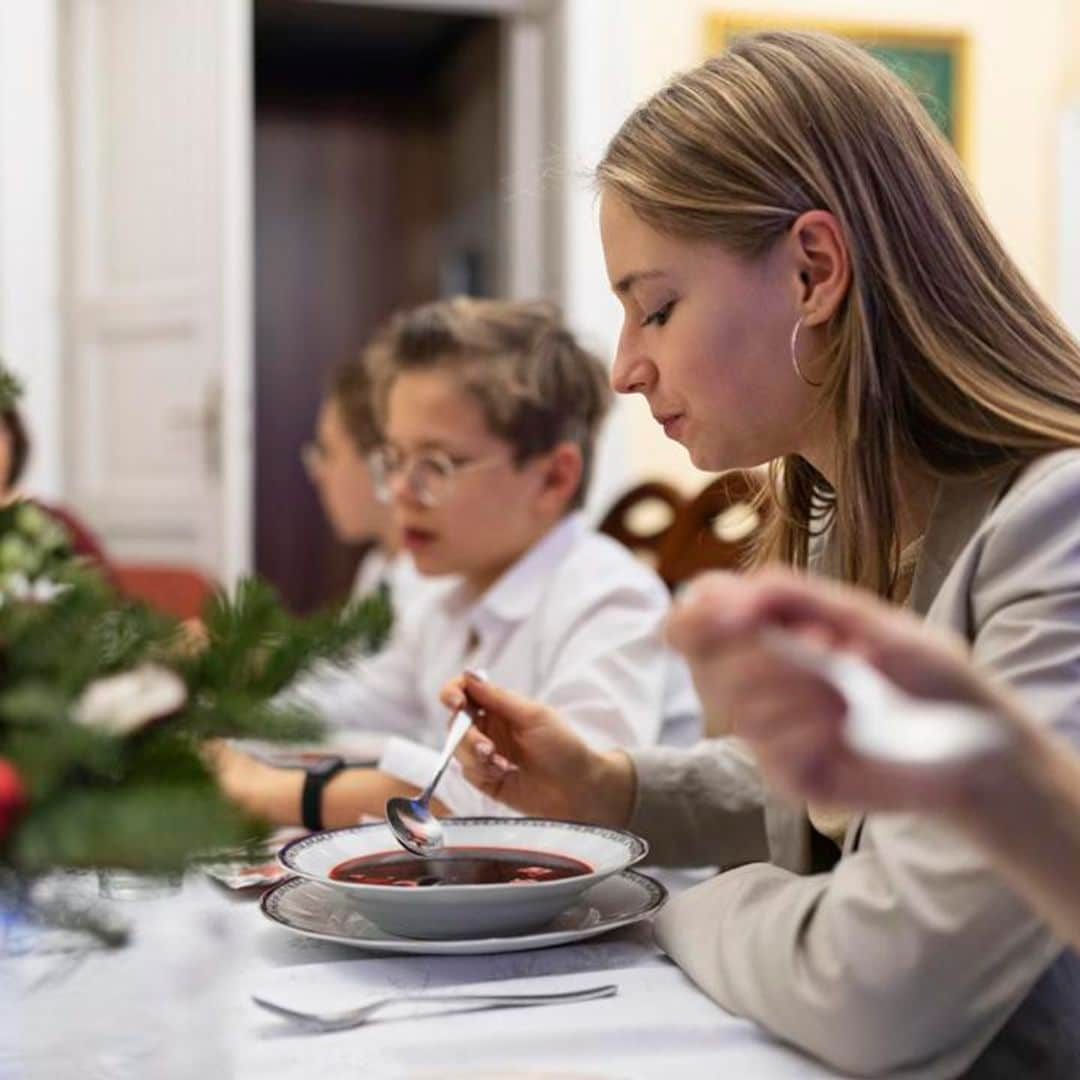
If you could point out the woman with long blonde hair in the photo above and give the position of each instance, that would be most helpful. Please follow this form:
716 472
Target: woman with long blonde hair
807 281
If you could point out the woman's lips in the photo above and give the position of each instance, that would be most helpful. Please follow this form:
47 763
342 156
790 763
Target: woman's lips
672 424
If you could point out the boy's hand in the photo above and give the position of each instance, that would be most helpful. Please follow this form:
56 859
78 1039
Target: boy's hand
262 790
193 637
521 753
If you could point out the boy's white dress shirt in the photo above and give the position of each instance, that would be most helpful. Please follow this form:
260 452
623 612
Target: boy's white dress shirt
575 623
327 684
398 571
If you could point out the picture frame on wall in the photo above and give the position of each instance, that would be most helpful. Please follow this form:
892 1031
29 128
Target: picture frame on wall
935 62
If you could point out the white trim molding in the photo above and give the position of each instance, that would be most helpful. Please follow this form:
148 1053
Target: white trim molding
30 230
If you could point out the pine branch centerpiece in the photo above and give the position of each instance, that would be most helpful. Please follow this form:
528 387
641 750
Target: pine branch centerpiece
105 706
11 388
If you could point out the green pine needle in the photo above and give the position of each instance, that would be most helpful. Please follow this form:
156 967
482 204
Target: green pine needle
11 389
144 801
142 826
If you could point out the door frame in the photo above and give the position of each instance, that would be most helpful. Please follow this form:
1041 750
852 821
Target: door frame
238 287
31 247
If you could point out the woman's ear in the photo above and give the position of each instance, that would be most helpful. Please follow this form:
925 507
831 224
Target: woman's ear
824 267
561 476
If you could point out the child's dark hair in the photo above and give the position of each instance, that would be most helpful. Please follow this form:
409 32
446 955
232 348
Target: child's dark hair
536 385
12 423
350 387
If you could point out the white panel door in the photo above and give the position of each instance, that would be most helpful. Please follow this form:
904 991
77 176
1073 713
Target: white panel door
152 342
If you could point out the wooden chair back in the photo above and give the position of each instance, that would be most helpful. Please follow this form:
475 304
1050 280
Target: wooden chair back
713 531
643 518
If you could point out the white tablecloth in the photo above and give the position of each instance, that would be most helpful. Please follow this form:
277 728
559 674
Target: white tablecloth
174 1005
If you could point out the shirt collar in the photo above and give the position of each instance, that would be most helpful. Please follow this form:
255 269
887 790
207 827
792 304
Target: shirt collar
515 594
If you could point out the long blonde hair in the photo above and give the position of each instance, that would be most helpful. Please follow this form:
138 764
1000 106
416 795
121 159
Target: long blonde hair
941 353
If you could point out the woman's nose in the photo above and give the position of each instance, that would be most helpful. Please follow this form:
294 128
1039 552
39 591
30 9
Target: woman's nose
632 372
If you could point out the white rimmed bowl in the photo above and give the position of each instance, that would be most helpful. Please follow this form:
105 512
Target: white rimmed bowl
468 911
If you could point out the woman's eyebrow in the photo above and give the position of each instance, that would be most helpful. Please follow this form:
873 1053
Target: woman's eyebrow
628 281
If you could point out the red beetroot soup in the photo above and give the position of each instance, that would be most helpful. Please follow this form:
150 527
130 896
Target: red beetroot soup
459 866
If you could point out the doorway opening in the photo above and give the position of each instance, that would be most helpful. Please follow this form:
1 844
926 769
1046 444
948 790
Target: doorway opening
377 150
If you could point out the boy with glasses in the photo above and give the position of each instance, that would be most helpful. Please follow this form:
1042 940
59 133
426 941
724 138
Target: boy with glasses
489 412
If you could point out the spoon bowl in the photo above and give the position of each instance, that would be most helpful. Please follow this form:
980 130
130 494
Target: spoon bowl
411 821
414 826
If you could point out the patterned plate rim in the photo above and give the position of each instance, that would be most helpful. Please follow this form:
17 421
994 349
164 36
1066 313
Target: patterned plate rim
656 894
637 846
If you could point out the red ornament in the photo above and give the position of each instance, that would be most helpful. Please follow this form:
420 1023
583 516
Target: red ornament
12 797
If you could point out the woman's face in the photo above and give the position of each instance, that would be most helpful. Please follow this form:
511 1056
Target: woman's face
343 480
706 340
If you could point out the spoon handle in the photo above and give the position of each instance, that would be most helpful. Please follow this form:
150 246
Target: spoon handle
883 720
817 659
459 725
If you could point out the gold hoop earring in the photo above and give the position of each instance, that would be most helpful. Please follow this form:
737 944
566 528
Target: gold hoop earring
795 356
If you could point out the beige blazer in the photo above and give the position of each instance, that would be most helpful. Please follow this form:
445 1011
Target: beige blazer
910 959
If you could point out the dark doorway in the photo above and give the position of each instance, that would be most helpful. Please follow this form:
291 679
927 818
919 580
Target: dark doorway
376 170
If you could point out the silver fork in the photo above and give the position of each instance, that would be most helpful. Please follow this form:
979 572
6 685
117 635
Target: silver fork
348 1018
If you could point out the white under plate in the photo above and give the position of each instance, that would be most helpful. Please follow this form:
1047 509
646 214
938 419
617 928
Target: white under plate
326 913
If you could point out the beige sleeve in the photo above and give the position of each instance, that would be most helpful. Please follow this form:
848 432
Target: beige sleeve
699 807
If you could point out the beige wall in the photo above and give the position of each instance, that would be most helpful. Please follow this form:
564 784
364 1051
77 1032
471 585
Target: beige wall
1072 53
1025 64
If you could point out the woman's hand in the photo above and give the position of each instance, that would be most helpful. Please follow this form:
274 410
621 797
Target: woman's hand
794 720
521 753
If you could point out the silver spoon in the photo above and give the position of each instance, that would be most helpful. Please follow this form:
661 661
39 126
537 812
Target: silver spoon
413 824
885 722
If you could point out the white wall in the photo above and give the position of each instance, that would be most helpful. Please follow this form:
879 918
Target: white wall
1069 182
29 224
599 91
1070 217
